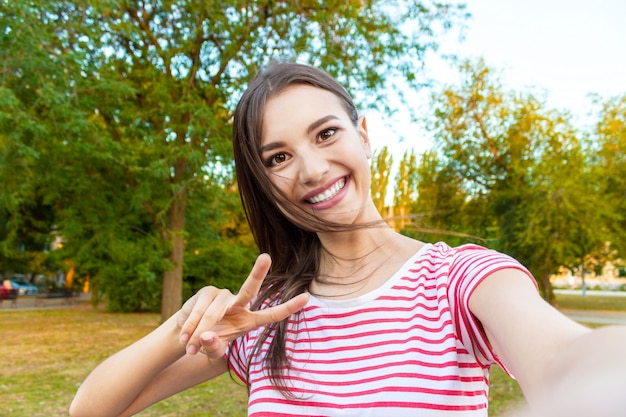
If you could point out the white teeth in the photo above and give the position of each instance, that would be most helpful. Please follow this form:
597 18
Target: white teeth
330 193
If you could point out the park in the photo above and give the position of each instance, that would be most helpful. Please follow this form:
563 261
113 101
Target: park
118 193
47 351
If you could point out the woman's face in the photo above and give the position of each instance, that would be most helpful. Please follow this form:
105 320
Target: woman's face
315 155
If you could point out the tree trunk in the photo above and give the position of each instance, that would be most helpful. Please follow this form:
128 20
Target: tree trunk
172 297
547 288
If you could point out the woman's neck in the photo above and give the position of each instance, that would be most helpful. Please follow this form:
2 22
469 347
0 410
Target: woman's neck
358 261
356 243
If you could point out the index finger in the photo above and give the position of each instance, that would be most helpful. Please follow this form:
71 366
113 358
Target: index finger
250 288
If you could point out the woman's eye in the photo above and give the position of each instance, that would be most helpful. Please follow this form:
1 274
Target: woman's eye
327 134
275 160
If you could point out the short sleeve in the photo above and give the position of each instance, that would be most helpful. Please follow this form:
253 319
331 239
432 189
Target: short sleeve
469 266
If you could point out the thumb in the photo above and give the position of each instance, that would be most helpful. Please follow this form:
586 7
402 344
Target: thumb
211 345
282 311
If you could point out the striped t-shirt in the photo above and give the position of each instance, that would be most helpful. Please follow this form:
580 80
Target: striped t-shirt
408 348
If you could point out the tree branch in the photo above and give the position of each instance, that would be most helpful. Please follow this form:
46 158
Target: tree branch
151 38
490 142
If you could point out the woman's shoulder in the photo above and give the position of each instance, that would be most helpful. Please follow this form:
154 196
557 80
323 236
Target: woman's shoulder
446 249
442 252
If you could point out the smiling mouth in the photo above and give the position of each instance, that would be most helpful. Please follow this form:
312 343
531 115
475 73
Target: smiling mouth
328 194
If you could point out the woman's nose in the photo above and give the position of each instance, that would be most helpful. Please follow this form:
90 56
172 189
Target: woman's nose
313 167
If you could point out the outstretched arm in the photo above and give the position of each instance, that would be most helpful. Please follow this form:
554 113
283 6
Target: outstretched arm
166 361
563 368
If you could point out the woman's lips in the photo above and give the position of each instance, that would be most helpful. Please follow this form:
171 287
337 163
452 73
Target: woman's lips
327 194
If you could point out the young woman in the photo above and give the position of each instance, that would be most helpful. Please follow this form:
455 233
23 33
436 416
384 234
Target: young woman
341 315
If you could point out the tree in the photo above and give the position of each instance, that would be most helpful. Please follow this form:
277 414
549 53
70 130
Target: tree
523 166
609 146
219 249
441 203
405 190
136 98
555 222
382 161
35 108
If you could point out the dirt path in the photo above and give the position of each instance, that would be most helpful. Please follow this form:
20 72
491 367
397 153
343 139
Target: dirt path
31 302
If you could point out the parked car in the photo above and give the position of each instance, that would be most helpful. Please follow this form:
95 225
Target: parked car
7 292
24 287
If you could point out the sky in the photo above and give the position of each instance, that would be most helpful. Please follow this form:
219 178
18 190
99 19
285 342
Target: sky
565 49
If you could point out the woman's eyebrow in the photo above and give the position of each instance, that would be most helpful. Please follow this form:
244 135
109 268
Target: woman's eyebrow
273 145
320 122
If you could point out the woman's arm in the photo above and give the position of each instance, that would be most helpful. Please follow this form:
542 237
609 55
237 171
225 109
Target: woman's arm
560 365
145 372
588 378
166 361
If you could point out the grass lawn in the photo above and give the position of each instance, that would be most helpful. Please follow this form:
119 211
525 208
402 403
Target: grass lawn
46 353
590 302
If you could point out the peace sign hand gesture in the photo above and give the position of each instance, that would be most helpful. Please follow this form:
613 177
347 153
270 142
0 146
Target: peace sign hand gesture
214 317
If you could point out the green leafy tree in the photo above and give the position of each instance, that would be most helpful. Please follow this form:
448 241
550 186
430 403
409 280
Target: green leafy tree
561 225
382 162
219 248
441 203
38 118
609 148
125 104
523 166
405 190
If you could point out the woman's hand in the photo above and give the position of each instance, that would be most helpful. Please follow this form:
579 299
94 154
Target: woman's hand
214 317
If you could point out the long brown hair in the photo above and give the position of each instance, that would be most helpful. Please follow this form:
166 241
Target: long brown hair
294 248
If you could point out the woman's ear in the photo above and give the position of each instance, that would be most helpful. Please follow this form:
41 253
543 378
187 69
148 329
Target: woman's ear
362 128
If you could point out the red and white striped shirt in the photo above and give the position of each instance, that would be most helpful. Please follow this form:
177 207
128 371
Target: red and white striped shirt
409 348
